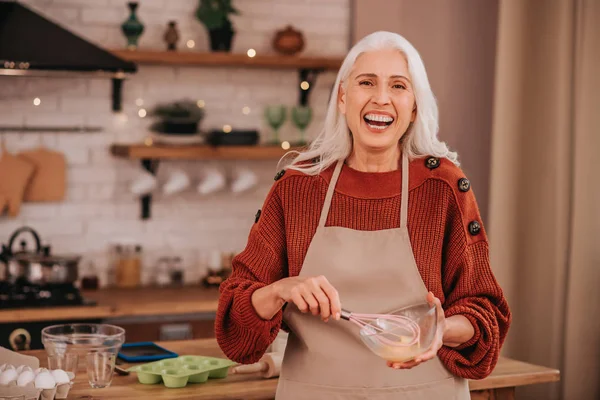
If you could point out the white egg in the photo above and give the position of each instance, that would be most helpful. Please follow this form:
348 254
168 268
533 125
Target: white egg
25 378
3 367
22 368
37 371
60 376
44 381
8 376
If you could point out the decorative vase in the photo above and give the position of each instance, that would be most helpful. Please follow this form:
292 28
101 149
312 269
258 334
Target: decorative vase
221 38
288 41
132 28
171 36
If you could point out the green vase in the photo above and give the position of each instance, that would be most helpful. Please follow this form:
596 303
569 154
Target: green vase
132 28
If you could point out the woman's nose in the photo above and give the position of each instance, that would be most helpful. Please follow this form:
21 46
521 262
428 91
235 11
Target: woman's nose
382 96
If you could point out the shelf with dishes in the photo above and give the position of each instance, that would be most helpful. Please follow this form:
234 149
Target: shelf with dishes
152 151
308 67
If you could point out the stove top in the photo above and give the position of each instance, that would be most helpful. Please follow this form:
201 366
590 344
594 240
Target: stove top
14 295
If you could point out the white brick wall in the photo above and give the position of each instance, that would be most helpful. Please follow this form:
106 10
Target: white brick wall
99 209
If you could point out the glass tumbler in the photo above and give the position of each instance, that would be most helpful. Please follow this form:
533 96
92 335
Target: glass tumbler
100 368
65 361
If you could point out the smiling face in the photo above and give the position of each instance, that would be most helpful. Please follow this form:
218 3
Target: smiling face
378 100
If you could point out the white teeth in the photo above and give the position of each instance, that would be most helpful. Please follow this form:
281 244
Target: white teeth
377 127
379 118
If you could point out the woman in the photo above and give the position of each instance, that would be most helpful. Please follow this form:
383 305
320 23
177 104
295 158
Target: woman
375 215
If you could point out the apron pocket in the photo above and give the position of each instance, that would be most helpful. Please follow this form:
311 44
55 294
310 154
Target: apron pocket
444 389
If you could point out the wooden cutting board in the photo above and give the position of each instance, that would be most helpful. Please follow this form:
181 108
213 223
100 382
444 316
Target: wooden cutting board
49 183
15 174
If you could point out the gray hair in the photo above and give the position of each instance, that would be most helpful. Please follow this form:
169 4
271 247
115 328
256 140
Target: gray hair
334 141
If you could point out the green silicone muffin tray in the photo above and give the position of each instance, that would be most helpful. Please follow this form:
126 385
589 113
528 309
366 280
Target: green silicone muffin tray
178 372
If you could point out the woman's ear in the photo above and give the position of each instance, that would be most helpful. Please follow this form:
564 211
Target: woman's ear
342 99
414 113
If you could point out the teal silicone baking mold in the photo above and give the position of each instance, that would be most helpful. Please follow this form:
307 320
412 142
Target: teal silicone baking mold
178 372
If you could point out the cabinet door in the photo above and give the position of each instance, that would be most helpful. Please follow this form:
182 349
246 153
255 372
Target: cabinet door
166 328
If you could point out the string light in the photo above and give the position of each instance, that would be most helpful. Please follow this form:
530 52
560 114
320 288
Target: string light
190 44
139 102
148 141
246 110
304 85
251 53
285 145
226 128
200 103
142 112
37 101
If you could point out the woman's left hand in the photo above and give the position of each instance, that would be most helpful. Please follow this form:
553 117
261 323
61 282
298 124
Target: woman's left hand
436 344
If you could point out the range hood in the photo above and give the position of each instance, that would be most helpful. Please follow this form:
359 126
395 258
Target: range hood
33 45
28 41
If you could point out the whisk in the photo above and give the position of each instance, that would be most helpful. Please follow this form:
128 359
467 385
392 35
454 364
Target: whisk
369 322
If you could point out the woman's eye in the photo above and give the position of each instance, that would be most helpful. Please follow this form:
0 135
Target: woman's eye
399 86
366 83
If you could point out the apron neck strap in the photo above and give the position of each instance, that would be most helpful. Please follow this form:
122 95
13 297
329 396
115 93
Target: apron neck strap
329 196
404 196
403 199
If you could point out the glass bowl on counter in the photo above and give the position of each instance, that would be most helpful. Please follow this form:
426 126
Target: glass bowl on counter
87 341
408 344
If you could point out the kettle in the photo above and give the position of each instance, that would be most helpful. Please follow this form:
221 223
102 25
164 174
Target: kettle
38 266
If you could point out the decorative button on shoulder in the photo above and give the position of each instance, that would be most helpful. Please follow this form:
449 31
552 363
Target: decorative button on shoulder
279 174
432 162
257 216
464 185
474 228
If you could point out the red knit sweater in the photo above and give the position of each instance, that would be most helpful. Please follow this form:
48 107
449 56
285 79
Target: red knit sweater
451 255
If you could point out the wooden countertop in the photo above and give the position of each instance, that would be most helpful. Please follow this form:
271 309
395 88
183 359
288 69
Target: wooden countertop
508 373
113 303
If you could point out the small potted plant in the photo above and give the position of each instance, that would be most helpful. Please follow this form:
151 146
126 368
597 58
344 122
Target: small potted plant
214 14
178 118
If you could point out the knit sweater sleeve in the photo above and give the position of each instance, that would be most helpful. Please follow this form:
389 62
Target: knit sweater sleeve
241 333
471 290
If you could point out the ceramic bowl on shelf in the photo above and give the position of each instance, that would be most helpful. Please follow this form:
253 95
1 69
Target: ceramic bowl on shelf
407 343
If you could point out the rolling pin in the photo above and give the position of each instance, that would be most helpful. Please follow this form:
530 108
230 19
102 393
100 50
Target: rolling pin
269 366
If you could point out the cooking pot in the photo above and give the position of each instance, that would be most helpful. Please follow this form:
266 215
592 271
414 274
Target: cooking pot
38 266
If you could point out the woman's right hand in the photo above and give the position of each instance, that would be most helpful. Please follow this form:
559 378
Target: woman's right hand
313 293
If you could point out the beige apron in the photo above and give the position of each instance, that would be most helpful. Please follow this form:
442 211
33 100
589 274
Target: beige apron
374 272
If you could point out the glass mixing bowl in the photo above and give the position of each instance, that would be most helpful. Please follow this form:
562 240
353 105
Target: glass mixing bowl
423 315
82 339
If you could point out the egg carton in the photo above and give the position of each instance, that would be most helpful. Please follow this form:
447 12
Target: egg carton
21 375
178 372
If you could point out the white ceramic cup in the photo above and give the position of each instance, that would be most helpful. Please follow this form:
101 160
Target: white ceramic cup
176 182
143 184
213 181
245 180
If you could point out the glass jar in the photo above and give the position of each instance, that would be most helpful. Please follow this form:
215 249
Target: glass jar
128 265
176 271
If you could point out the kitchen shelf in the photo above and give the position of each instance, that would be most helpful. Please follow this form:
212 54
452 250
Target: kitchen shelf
308 67
196 152
151 155
228 59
